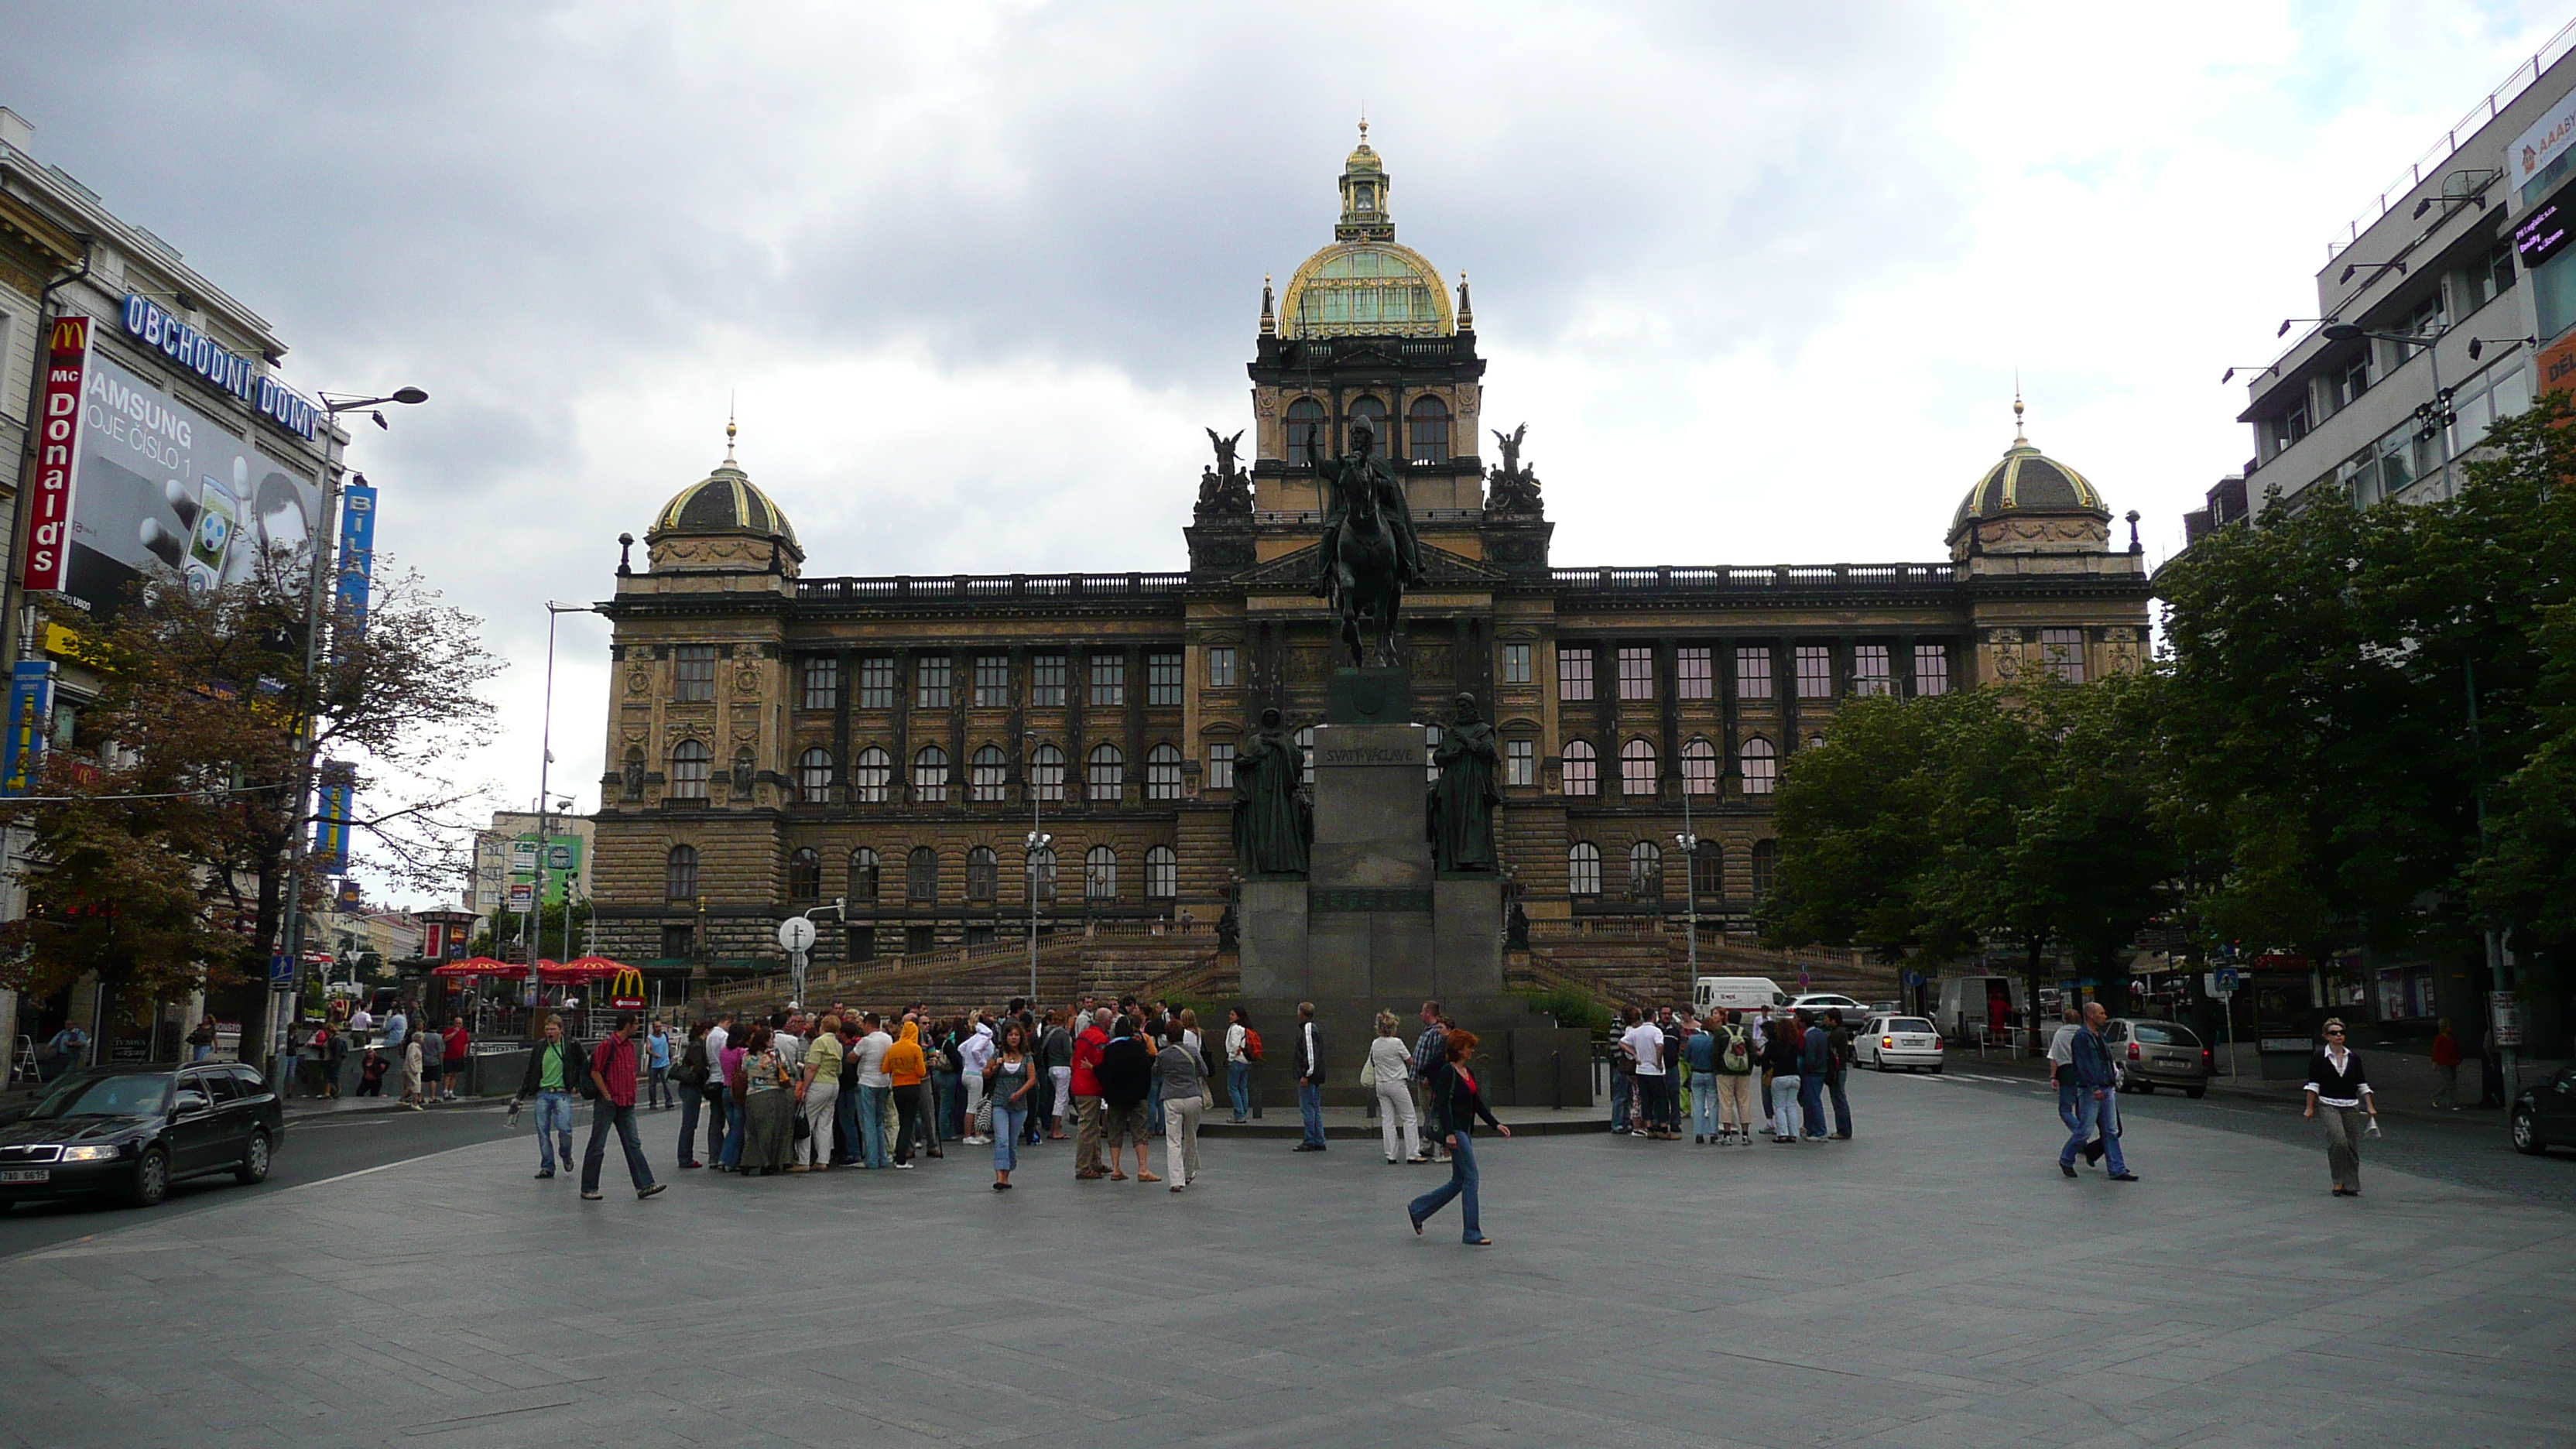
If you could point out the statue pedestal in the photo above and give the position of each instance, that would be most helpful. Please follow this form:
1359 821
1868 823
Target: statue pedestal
1375 928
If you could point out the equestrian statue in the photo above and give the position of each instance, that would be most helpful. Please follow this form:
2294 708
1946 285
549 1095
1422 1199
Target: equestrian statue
1370 551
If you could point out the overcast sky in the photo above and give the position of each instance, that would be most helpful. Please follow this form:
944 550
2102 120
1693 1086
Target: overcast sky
1757 277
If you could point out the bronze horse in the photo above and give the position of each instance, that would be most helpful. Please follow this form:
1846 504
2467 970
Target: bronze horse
1364 568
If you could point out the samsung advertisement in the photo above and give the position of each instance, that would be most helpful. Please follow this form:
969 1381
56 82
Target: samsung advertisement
158 482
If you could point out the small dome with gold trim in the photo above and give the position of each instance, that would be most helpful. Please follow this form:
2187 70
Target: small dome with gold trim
1365 284
724 505
2026 483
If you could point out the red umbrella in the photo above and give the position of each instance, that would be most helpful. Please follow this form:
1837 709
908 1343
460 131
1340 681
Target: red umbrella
482 966
587 968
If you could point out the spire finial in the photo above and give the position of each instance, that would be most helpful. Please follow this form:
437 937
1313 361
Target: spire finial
1466 307
1269 321
1363 123
729 427
2019 441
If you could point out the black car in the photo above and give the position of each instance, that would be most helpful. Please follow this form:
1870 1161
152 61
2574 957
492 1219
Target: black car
131 1131
2545 1116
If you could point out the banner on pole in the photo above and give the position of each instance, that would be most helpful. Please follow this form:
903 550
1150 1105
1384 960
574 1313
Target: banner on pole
357 554
31 702
47 561
339 786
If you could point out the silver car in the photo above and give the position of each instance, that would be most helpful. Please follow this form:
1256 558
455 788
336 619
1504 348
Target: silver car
2152 1054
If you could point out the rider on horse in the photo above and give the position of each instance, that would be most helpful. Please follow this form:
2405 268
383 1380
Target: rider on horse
1364 468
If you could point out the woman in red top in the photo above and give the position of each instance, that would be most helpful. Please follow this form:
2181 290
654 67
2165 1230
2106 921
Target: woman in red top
1456 1085
2446 1062
453 1060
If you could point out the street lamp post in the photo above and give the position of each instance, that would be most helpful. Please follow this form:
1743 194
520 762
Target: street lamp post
2436 414
546 747
1038 840
290 931
1688 840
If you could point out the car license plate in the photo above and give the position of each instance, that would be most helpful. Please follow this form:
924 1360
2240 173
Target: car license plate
26 1174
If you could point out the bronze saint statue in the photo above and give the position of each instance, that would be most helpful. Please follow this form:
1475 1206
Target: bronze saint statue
1269 819
1462 803
1370 551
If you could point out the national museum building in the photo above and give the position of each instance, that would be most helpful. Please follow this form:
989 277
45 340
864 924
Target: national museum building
776 740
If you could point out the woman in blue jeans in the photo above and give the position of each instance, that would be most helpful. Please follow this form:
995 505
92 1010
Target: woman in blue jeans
1238 1067
1457 1086
1007 1078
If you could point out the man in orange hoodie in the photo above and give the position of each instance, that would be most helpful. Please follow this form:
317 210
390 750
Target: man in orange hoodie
905 1067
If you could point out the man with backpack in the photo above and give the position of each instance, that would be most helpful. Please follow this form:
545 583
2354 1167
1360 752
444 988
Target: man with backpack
1430 1050
1732 1051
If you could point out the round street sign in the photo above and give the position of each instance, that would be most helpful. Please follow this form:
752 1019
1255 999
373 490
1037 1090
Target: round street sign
796 934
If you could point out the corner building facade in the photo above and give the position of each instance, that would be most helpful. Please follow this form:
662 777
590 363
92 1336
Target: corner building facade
776 740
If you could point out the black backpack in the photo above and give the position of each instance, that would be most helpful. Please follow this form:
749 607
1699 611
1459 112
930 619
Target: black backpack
693 1064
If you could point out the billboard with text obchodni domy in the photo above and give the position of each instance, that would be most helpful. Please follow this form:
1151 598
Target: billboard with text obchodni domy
161 485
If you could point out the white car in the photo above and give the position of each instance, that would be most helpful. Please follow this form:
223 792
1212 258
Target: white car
1898 1041
1817 1003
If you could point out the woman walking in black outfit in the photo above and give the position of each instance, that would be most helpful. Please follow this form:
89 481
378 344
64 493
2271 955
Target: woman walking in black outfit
2336 1083
1456 1085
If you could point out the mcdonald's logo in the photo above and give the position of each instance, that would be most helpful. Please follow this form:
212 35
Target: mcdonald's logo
71 334
626 990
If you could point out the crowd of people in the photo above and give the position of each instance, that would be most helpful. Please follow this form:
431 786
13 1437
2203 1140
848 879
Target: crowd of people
1733 1075
426 1063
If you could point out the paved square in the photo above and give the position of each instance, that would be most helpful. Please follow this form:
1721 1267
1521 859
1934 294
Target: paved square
1933 1283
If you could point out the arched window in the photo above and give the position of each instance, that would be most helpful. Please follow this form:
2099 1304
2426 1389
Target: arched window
805 874
1766 863
1106 772
1162 873
863 877
1306 753
1046 773
1100 874
1583 869
1305 428
921 874
871 776
1761 767
1041 873
689 762
814 776
1645 871
1637 770
984 774
680 874
930 775
1375 412
1162 773
1815 742
1708 872
983 874
1427 427
1582 769
1699 766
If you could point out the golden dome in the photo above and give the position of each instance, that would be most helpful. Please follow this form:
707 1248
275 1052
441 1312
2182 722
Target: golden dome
1365 284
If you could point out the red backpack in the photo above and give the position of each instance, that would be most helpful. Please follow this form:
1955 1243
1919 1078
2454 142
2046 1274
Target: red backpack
1251 1045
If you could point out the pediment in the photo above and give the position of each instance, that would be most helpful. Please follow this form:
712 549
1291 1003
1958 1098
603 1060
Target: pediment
1295 572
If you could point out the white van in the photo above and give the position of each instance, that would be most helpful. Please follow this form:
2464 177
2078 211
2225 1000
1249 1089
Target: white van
1992 1003
1736 993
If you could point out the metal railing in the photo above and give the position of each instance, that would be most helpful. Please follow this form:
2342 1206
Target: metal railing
950 588
2478 116
1725 577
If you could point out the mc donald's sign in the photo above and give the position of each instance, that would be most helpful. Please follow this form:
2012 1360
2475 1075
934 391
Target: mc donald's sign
626 990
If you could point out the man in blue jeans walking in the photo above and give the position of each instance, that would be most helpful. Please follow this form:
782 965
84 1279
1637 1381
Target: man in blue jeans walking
612 1076
554 1070
2097 1097
1310 1079
2061 1071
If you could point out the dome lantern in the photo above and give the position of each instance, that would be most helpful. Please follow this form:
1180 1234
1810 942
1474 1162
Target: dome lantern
1365 284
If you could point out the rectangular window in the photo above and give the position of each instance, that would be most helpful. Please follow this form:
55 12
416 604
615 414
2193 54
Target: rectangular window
693 673
1815 671
1220 774
1573 673
679 943
1931 669
822 682
863 943
1872 671
1752 672
1693 676
1220 663
1162 679
930 688
2061 653
992 681
876 682
1520 762
1108 679
1636 673
1046 680
1516 664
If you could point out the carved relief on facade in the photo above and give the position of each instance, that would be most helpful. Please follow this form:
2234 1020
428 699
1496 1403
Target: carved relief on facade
2120 650
639 681
2003 654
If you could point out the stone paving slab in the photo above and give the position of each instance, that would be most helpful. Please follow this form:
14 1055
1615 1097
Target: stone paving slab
1934 1283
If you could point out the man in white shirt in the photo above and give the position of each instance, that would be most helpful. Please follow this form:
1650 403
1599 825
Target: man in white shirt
362 1021
874 1086
1654 1084
2061 1069
972 1054
789 1042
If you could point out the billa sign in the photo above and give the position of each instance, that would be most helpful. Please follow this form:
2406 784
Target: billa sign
626 990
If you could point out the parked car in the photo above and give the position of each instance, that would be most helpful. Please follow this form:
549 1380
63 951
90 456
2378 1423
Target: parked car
2152 1054
1713 994
130 1131
2545 1115
1898 1041
1817 1003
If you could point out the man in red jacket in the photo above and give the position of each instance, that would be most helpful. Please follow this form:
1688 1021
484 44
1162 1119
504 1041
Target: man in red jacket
1087 1047
612 1076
